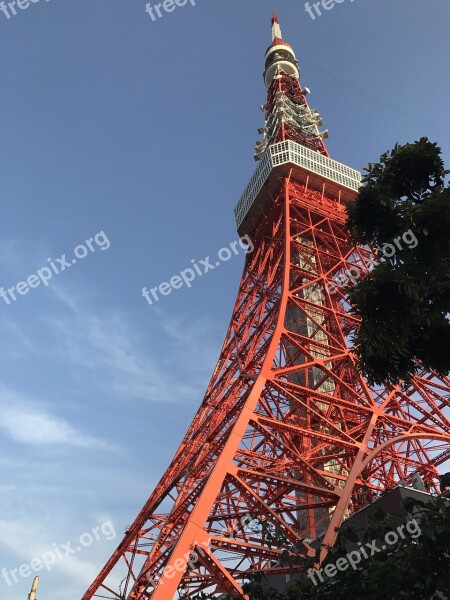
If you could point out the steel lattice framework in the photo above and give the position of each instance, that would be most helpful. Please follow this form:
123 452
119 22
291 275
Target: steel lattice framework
289 434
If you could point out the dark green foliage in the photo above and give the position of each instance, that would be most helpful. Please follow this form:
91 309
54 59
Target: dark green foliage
405 301
444 482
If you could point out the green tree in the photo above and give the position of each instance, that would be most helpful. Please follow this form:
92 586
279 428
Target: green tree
405 300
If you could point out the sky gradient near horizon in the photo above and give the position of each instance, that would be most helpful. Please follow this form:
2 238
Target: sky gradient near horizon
144 130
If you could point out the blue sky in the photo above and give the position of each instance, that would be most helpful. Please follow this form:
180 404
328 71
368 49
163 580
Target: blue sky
144 131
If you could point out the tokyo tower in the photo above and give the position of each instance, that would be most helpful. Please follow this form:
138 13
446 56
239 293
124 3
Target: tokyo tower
289 436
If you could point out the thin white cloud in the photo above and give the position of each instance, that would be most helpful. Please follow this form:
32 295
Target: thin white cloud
192 335
124 362
108 347
24 422
17 343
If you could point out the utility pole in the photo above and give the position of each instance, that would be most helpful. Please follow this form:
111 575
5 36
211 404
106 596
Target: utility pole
34 587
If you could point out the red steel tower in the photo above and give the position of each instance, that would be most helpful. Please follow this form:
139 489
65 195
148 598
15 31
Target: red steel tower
289 435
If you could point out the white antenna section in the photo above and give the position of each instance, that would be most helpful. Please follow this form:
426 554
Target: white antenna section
276 29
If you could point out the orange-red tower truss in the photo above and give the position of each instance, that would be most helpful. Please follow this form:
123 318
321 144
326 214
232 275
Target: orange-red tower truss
288 435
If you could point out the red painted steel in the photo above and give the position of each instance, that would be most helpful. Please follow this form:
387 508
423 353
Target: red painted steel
289 435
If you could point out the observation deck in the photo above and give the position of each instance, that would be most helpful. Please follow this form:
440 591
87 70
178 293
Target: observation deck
306 166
